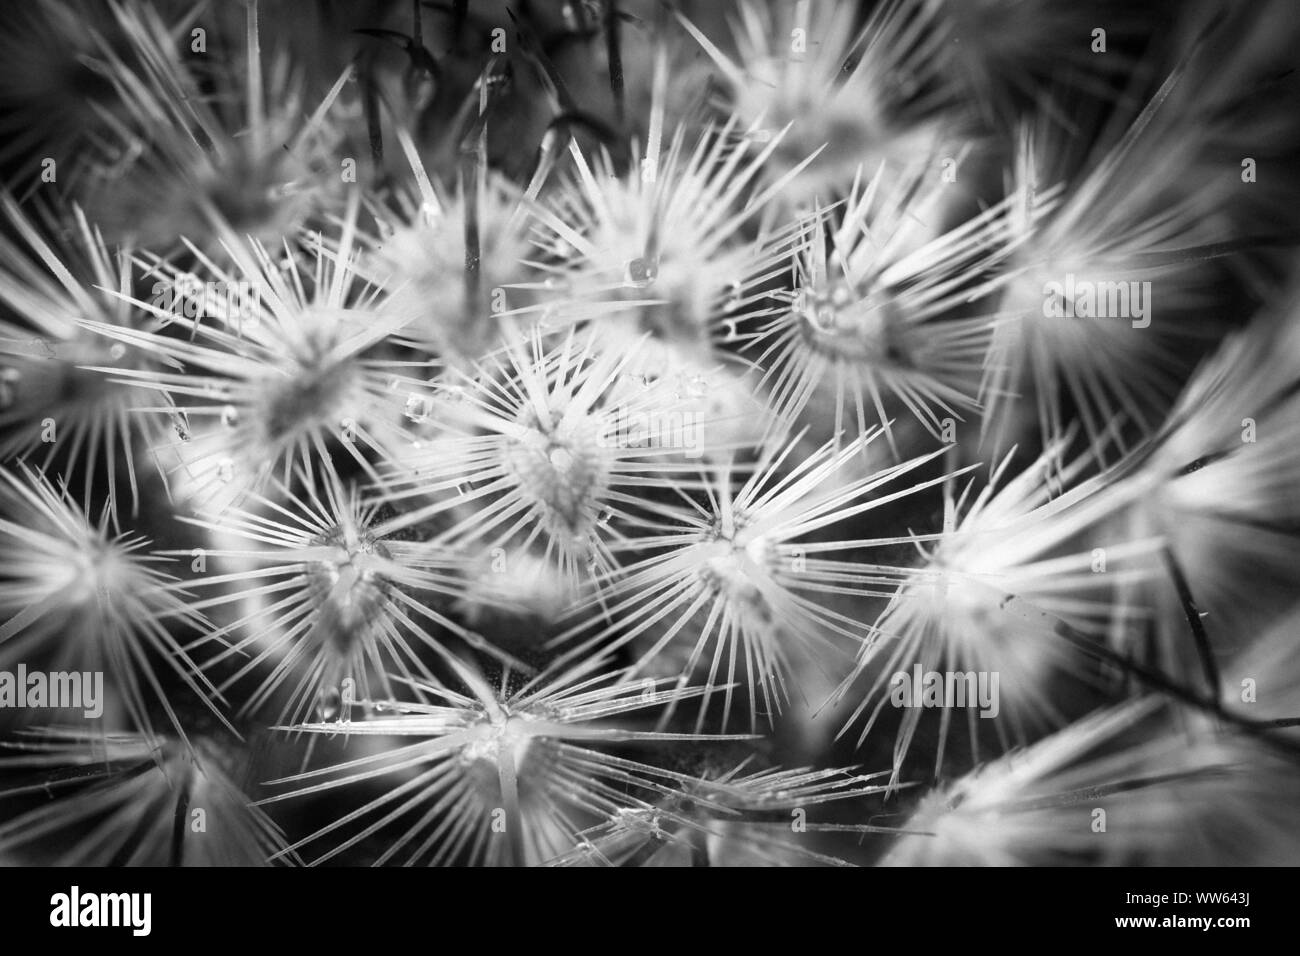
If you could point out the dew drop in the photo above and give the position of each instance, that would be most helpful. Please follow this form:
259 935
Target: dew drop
561 459
417 408
640 273
328 704
230 416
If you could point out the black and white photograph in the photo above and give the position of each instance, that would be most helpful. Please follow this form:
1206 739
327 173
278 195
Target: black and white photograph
651 433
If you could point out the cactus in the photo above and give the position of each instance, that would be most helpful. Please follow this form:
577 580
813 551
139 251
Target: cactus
623 433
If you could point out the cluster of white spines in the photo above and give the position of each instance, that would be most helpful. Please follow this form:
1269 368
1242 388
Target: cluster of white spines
521 473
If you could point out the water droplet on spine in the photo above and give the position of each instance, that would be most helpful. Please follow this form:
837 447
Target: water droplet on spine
328 704
640 273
